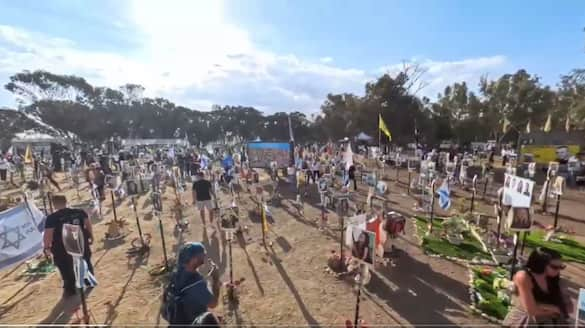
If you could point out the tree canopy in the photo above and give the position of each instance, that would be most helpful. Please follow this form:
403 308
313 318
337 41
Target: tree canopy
460 113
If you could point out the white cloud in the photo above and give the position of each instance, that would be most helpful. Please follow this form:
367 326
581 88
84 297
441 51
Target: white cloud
439 74
190 54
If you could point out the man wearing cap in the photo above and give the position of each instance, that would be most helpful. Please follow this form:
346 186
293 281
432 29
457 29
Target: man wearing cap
198 298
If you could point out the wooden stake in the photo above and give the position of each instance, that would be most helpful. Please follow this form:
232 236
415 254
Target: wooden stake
114 206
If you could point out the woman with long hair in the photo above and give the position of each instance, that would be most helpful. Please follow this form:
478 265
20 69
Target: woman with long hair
539 299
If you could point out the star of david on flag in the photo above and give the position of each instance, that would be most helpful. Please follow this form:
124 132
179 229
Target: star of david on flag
444 196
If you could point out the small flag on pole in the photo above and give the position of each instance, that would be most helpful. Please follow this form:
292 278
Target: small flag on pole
444 196
290 130
568 123
528 127
547 125
382 127
264 219
28 155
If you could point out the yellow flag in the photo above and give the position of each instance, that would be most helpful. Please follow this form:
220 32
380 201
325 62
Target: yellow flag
28 155
568 124
505 126
382 127
264 221
528 127
547 125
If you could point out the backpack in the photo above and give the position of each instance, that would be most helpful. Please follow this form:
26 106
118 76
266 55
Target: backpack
172 304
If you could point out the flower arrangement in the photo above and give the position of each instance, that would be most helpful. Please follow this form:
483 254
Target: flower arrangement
490 292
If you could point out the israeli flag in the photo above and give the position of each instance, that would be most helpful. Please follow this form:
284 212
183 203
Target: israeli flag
444 196
82 273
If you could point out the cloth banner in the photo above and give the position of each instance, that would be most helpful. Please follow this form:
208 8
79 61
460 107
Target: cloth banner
21 235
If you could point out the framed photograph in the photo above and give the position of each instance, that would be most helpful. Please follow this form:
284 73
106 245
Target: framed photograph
110 181
229 222
553 168
73 239
381 188
558 186
412 165
531 169
131 187
519 219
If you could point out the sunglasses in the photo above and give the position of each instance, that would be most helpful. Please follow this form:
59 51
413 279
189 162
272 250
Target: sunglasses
557 267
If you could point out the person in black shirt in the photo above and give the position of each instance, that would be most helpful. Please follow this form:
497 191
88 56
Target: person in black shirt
202 192
53 240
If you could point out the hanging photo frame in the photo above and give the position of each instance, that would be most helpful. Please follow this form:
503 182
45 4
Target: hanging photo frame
519 219
553 168
381 188
558 186
229 222
73 239
412 165
131 187
531 169
363 245
110 181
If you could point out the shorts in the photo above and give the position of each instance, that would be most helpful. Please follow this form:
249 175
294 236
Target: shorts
204 204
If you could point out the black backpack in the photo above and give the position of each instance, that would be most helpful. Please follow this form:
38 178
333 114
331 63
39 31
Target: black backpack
172 304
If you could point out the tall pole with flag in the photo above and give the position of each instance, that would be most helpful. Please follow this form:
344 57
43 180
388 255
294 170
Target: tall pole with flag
379 132
383 128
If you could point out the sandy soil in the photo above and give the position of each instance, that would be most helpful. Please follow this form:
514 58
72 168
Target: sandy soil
284 284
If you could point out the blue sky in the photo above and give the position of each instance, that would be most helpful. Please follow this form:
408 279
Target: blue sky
285 55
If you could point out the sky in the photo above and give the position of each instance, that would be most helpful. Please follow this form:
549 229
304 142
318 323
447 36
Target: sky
279 55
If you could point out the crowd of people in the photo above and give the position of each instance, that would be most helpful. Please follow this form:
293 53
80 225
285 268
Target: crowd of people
539 296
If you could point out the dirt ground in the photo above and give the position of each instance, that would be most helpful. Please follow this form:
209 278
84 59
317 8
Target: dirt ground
285 284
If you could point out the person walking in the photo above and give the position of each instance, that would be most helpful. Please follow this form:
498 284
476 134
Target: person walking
189 296
539 298
202 191
53 241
